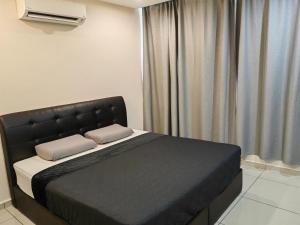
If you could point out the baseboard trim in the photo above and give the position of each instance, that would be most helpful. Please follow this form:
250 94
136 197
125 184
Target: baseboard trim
5 204
272 166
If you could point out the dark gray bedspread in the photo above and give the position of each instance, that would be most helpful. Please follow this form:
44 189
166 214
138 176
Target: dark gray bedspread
149 180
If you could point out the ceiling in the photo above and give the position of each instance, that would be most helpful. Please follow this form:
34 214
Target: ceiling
135 3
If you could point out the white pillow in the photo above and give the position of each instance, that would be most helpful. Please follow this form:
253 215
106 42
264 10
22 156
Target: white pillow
61 148
109 134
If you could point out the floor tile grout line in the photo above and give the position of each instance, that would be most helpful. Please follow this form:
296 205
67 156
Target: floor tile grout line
291 185
6 220
250 186
264 203
260 177
246 191
256 179
14 216
269 179
242 195
239 199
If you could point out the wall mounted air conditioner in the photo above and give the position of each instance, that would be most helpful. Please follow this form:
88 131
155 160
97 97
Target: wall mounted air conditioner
52 11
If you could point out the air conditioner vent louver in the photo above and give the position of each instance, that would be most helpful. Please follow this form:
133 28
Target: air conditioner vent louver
53 11
49 16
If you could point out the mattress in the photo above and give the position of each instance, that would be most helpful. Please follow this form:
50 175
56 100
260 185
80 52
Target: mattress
27 168
151 179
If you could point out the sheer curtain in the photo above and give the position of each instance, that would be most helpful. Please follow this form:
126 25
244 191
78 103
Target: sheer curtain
189 72
268 106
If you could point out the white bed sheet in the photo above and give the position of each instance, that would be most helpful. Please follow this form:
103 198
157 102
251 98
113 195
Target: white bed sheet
27 168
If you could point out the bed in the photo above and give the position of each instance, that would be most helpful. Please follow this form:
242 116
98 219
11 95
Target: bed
145 179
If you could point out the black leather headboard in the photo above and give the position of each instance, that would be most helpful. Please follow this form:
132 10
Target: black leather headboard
22 131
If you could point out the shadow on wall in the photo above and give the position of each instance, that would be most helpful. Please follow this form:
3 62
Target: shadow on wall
49 28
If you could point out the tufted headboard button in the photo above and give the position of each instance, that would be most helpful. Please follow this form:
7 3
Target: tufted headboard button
22 131
82 130
113 108
98 111
31 122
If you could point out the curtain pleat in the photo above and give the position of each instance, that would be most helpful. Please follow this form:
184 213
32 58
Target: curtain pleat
160 70
227 71
268 72
190 90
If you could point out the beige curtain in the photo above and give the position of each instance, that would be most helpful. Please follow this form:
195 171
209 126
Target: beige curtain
200 84
160 68
189 72
268 106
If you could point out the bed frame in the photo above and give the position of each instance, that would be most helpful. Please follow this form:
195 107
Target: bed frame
21 131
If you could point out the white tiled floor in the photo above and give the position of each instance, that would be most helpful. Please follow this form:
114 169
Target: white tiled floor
269 197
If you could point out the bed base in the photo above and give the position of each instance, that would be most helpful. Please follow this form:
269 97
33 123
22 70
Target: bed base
20 132
209 216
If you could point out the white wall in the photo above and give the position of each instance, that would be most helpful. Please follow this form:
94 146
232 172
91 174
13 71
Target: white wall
44 64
